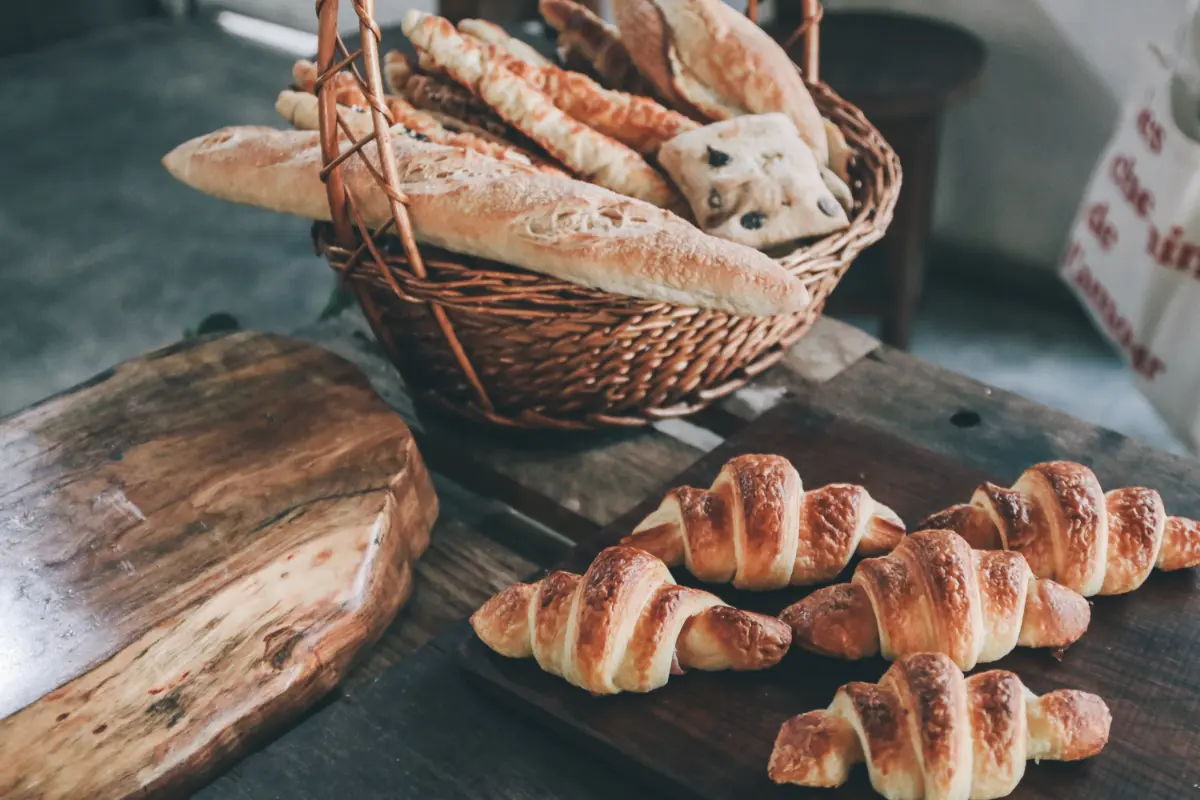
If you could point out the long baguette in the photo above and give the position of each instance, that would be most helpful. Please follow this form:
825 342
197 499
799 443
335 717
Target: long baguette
468 203
718 61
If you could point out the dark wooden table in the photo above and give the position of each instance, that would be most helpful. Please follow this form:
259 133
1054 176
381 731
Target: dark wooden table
406 723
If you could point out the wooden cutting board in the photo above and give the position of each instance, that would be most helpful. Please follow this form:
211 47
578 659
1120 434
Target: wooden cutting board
193 546
710 735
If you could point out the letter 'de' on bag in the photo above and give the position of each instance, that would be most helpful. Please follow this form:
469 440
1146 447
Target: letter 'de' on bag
1133 256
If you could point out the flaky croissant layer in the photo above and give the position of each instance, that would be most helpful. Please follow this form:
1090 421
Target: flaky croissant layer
759 529
926 731
934 593
1057 516
625 625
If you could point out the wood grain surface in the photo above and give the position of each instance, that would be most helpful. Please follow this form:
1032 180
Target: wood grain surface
710 734
196 544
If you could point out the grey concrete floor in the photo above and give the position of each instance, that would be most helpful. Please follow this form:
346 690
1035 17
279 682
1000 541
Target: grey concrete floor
105 256
1046 352
102 254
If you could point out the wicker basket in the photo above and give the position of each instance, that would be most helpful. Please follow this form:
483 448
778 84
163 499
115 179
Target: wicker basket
514 348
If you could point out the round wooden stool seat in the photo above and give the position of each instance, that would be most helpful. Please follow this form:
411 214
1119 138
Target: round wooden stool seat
903 71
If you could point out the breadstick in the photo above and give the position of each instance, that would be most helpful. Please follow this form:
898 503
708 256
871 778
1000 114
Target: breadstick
397 69
300 108
583 150
493 34
638 122
436 95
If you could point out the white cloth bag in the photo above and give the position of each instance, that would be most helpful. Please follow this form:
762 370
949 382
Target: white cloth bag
1133 257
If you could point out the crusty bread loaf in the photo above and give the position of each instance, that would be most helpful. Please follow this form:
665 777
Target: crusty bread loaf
584 151
719 61
472 204
752 180
493 34
585 38
641 27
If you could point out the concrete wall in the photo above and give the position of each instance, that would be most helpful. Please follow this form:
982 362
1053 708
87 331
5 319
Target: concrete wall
1018 154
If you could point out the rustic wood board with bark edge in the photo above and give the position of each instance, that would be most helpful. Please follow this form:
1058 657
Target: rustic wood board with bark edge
710 735
194 545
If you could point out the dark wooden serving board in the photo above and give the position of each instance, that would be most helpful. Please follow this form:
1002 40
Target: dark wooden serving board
710 734
193 546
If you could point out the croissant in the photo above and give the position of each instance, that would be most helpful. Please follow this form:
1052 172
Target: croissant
925 731
1058 517
934 593
625 625
758 528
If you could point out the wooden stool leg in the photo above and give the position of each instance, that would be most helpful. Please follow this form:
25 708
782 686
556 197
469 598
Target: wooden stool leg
916 141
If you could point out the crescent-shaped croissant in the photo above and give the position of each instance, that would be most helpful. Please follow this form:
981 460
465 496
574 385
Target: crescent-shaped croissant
625 625
757 528
925 731
934 593
1069 530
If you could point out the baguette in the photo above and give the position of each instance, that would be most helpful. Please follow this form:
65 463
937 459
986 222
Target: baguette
719 61
490 33
468 203
584 151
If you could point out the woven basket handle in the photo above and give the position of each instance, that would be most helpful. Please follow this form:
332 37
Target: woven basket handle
809 30
333 57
